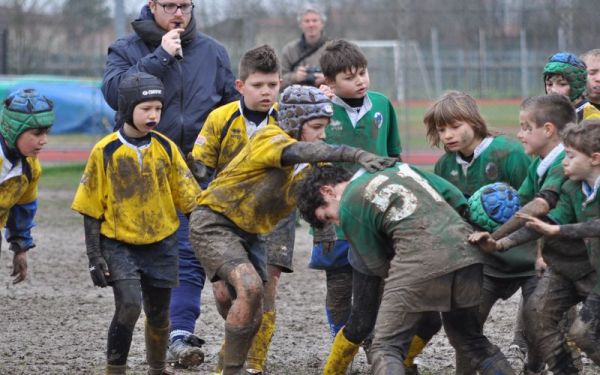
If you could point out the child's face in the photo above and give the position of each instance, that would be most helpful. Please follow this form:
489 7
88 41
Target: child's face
458 137
31 141
351 84
534 138
558 85
329 212
593 79
576 164
313 130
260 90
146 116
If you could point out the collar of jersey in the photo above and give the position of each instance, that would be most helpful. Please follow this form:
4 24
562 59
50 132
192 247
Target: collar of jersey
9 170
588 191
549 159
251 127
352 113
481 147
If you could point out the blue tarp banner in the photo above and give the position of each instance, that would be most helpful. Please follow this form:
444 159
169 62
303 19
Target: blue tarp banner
79 104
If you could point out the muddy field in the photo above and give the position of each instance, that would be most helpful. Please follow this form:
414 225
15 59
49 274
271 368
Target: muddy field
56 321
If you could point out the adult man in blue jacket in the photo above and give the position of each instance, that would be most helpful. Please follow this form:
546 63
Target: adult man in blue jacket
196 73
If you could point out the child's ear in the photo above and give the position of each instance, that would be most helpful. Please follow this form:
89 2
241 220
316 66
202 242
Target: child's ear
595 159
330 82
239 85
326 190
550 129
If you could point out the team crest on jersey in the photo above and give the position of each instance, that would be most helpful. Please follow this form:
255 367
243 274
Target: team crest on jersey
491 171
201 140
335 125
454 173
378 119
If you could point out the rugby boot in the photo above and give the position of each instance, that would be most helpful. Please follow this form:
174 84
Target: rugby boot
186 352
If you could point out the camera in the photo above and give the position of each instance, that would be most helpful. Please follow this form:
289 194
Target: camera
310 75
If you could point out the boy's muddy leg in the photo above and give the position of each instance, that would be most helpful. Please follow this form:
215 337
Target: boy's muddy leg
244 316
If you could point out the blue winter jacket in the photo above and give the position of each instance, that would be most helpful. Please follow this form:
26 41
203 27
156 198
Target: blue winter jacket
193 86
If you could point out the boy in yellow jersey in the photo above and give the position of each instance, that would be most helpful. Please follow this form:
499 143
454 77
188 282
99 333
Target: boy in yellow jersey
225 132
249 197
25 120
133 183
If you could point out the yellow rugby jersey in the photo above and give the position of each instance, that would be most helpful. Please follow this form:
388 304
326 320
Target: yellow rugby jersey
590 111
18 183
255 190
225 133
134 191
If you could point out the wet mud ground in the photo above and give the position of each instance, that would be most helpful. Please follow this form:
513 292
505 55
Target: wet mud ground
56 321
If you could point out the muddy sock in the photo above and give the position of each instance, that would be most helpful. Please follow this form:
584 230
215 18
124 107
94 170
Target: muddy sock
116 369
341 355
157 340
239 339
257 356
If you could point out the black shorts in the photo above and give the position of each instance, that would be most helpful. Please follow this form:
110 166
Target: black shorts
220 245
279 244
154 264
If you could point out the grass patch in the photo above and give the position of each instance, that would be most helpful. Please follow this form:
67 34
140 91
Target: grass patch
61 177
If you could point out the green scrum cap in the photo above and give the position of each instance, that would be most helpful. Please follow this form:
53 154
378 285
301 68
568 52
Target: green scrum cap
23 110
572 68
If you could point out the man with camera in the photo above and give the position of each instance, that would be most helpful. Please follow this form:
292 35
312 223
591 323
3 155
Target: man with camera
300 58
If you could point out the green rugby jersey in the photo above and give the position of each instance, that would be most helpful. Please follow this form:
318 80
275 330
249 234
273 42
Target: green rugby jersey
496 159
575 207
375 131
404 212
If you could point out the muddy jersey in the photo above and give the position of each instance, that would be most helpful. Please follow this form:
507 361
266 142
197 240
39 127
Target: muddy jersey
496 159
551 180
397 213
574 206
225 133
135 191
373 128
500 159
255 190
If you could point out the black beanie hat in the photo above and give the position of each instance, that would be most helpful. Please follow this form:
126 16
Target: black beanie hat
137 88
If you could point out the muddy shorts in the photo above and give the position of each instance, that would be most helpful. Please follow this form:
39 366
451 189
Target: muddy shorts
221 246
154 264
279 244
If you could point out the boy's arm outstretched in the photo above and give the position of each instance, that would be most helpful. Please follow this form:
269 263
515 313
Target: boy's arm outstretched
537 207
312 152
573 231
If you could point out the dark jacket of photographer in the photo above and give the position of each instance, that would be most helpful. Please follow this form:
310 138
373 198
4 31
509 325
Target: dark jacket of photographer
193 86
297 53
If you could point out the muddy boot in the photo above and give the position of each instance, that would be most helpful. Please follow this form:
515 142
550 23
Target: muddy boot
116 369
239 340
257 356
157 340
387 365
417 345
341 355
186 352
496 365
